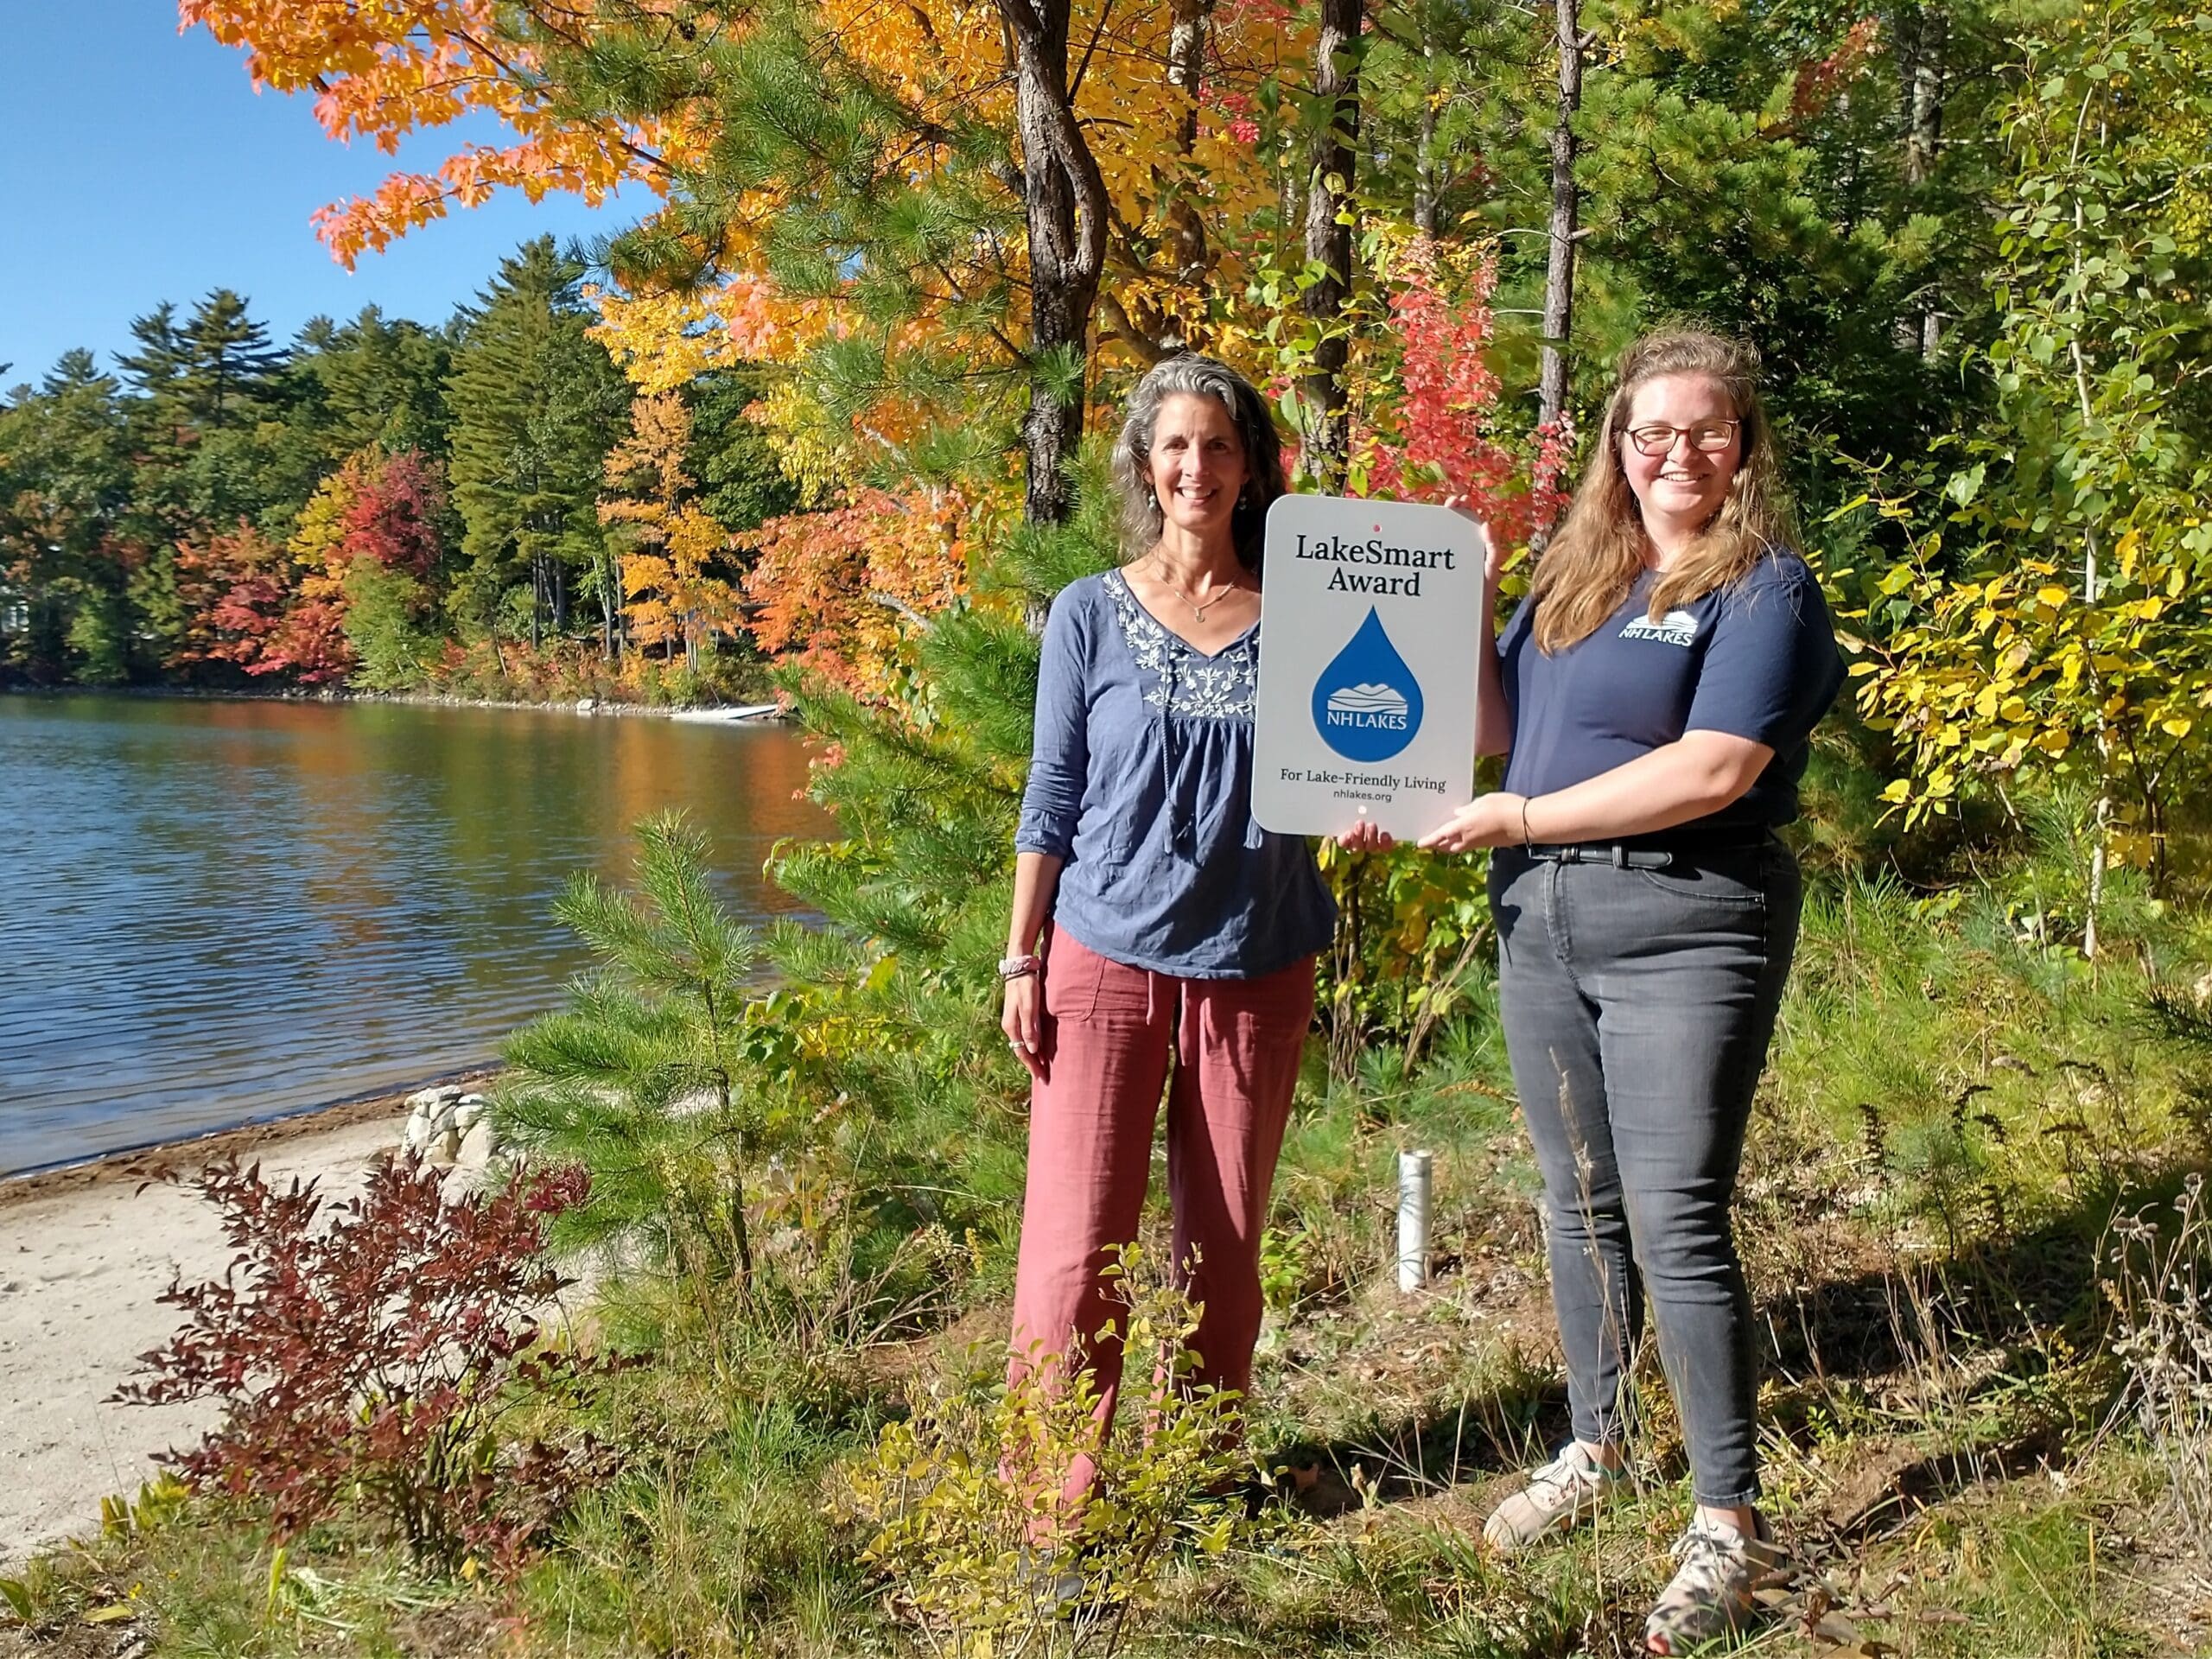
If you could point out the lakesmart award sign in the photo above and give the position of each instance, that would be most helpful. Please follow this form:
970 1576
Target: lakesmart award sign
1366 709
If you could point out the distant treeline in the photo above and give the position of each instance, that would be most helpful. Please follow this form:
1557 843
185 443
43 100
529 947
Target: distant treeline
482 505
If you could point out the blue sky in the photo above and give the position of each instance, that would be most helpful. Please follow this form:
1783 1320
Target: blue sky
138 165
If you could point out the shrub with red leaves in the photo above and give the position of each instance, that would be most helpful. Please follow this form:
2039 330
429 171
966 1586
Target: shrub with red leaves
380 1361
1441 434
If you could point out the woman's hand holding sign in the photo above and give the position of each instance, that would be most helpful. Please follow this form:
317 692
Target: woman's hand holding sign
1470 827
1493 820
1367 836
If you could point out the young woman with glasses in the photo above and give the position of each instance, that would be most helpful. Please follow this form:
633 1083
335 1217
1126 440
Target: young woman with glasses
1655 694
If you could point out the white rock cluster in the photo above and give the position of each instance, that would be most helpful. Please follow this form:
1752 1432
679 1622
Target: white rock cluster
450 1128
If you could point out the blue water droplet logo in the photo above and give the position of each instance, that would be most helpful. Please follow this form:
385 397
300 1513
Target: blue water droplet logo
1367 704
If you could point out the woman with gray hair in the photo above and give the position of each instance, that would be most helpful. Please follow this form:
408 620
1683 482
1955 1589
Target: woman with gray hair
1154 920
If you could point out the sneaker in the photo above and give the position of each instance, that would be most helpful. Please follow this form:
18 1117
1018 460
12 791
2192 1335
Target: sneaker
1572 1487
1054 1581
1715 1592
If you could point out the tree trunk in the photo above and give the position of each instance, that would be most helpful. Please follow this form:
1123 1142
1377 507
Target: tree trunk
1424 185
1566 208
1063 199
537 603
610 601
1924 95
1923 33
1326 445
1186 65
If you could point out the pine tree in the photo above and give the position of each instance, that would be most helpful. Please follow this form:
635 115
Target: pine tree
963 253
740 484
158 364
160 424
644 1077
227 369
536 404
380 381
927 788
212 448
65 566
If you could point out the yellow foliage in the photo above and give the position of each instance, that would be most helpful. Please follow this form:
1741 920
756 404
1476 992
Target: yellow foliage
963 1501
669 599
814 454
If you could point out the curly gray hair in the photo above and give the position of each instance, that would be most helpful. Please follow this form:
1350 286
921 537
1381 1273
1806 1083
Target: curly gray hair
1192 375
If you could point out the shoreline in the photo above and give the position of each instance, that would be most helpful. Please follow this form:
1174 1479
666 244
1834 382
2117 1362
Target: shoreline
733 714
85 1254
158 1159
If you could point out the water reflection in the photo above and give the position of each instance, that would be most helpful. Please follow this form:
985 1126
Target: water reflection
222 910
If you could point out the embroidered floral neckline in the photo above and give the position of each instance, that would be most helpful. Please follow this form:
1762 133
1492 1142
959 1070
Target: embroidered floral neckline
1182 679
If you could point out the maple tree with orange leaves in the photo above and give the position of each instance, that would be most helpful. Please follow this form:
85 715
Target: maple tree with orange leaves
837 591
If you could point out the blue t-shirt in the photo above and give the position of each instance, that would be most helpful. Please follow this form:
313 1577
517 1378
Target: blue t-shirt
1755 659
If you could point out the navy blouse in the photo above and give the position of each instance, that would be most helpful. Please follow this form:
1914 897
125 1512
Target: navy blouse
1140 779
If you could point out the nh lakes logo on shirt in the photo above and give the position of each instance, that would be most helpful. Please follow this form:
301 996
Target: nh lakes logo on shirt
1675 628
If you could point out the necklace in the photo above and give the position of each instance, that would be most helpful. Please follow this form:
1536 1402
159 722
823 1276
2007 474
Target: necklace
1198 611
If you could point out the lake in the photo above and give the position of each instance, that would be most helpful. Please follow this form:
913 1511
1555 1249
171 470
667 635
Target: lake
224 910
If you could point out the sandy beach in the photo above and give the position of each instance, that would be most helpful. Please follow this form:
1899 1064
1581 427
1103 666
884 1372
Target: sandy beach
82 1253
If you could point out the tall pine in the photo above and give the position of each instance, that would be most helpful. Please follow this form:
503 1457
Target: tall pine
536 404
377 380
228 371
65 488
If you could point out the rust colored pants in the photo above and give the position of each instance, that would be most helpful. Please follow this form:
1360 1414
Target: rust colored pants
1108 1036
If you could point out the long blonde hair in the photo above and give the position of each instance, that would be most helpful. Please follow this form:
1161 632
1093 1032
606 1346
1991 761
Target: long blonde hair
1597 555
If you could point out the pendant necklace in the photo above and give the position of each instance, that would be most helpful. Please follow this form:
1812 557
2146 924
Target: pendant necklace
1198 611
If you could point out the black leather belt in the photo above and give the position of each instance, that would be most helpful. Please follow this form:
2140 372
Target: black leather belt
1618 854
1645 855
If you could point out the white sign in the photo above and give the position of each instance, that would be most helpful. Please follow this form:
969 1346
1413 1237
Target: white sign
1369 618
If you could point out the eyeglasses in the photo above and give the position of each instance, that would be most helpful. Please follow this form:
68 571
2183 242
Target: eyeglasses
1658 438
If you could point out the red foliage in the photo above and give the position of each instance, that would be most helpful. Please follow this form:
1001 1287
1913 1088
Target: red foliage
1440 438
1550 488
394 517
1238 112
310 639
1820 82
233 590
371 1364
255 604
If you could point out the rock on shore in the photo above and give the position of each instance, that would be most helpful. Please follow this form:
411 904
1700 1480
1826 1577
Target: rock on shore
452 1128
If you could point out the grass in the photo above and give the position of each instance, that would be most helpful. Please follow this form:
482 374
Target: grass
1958 1108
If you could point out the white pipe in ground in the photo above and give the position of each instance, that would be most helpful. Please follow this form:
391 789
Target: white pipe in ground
1413 1219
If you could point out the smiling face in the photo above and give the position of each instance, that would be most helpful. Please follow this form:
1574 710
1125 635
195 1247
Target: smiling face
1197 465
1680 490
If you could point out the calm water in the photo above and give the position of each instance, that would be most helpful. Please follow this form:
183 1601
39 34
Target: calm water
220 911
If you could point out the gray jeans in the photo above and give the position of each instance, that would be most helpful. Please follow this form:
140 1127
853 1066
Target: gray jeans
1637 1004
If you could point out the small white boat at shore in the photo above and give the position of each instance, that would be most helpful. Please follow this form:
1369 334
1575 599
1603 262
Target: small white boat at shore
739 714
